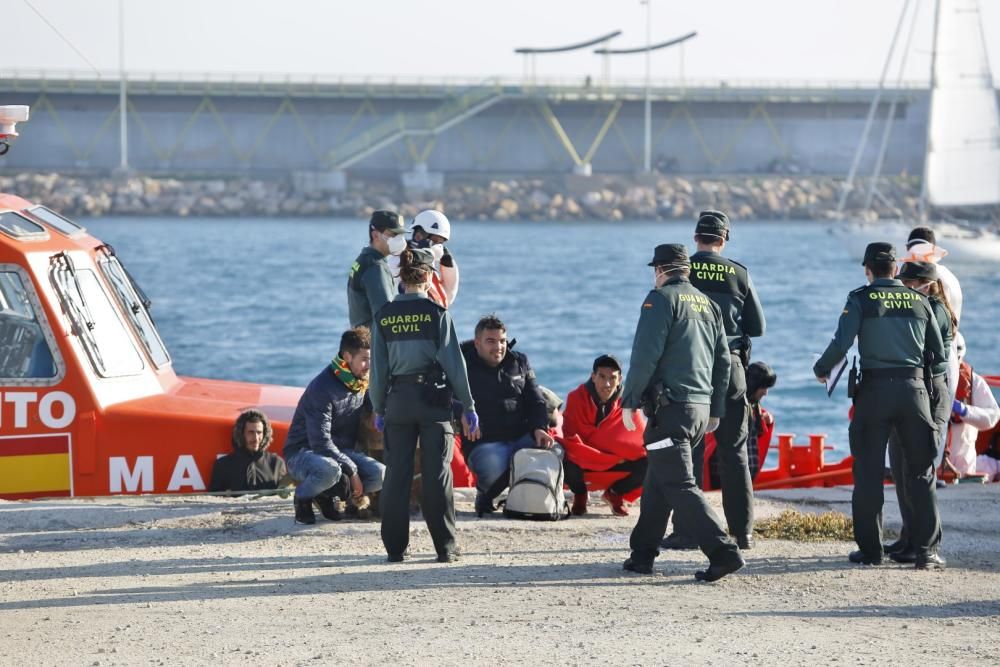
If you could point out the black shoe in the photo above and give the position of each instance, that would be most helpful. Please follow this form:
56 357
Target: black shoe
721 568
678 542
905 556
745 542
304 512
930 562
398 558
898 545
859 558
447 557
638 567
484 506
327 507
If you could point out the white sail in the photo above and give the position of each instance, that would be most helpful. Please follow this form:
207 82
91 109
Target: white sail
963 157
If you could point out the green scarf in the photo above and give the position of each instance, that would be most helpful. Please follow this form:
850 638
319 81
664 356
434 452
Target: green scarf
344 374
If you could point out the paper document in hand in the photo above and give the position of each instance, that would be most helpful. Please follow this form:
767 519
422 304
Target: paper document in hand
834 377
660 444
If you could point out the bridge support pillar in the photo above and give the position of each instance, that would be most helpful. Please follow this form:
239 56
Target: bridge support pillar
420 181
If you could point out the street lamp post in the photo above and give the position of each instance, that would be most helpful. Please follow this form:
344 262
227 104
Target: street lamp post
122 95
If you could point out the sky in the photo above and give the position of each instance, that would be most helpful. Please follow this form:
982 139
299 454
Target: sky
746 40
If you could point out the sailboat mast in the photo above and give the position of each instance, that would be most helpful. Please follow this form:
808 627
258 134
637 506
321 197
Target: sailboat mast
930 110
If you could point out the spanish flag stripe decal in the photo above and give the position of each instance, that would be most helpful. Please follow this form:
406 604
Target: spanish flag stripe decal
34 444
32 474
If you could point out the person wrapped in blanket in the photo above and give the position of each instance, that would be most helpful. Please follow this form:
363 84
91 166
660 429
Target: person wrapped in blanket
760 379
595 439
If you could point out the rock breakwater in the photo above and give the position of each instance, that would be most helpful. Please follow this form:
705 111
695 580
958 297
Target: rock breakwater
597 198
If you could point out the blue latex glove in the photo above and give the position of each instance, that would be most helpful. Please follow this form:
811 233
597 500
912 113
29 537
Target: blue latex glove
959 408
472 419
380 423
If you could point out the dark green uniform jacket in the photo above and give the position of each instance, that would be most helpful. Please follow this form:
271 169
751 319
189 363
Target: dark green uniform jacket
728 284
680 342
369 287
893 324
410 335
943 318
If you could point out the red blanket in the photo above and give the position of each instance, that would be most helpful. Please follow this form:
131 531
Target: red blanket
597 447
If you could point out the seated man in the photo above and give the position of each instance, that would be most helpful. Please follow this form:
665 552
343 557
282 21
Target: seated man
594 415
511 409
760 424
250 467
320 448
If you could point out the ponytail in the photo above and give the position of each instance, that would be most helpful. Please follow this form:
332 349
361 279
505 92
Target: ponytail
410 273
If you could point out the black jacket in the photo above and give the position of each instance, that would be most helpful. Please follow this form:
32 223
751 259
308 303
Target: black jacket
243 471
507 397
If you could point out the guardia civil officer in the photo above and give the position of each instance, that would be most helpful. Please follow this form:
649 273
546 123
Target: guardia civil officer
728 284
416 365
369 283
897 334
923 277
680 371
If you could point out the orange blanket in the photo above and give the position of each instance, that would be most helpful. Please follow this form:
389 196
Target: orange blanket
597 447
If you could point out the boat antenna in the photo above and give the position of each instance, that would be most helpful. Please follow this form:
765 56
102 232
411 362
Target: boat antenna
930 110
891 115
849 182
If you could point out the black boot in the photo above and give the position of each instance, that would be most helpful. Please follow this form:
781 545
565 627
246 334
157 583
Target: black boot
304 511
327 507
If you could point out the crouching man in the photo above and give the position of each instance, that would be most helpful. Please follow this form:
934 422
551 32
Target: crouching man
320 449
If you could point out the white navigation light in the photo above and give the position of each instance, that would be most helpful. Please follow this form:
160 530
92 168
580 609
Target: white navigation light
10 116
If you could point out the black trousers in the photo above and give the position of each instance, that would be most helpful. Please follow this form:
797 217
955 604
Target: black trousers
881 406
573 474
731 457
940 412
409 420
670 487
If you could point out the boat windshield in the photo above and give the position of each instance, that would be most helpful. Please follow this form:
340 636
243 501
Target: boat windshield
135 306
26 356
95 321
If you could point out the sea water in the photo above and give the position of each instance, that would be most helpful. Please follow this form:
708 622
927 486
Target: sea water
264 300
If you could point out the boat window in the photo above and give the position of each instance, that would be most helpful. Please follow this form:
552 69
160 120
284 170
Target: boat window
56 221
19 227
26 344
134 305
95 321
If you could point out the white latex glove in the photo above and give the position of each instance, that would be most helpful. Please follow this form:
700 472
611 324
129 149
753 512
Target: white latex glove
628 418
438 251
713 423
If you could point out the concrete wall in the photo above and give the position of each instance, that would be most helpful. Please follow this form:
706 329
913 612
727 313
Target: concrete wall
226 133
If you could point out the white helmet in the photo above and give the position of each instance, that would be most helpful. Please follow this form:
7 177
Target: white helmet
433 222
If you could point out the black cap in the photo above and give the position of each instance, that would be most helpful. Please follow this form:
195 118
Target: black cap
880 251
760 376
670 253
387 221
921 235
713 223
421 258
607 361
918 271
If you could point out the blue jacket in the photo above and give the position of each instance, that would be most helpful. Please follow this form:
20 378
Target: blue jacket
326 420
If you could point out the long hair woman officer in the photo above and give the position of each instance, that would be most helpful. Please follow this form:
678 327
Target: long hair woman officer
416 365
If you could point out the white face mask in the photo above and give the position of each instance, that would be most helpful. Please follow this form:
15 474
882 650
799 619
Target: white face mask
397 243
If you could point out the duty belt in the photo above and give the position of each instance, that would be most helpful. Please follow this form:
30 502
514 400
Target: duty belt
410 378
893 373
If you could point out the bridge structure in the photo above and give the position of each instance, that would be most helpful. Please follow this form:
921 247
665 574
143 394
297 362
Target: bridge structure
224 126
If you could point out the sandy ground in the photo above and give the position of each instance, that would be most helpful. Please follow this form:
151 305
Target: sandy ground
234 581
